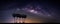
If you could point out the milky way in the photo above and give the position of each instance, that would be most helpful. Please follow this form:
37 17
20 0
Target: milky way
37 10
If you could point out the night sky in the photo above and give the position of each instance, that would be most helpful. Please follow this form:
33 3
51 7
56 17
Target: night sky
37 11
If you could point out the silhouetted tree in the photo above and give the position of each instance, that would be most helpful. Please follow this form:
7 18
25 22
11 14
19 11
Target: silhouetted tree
19 16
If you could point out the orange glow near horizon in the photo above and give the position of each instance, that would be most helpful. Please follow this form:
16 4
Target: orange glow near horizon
28 20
